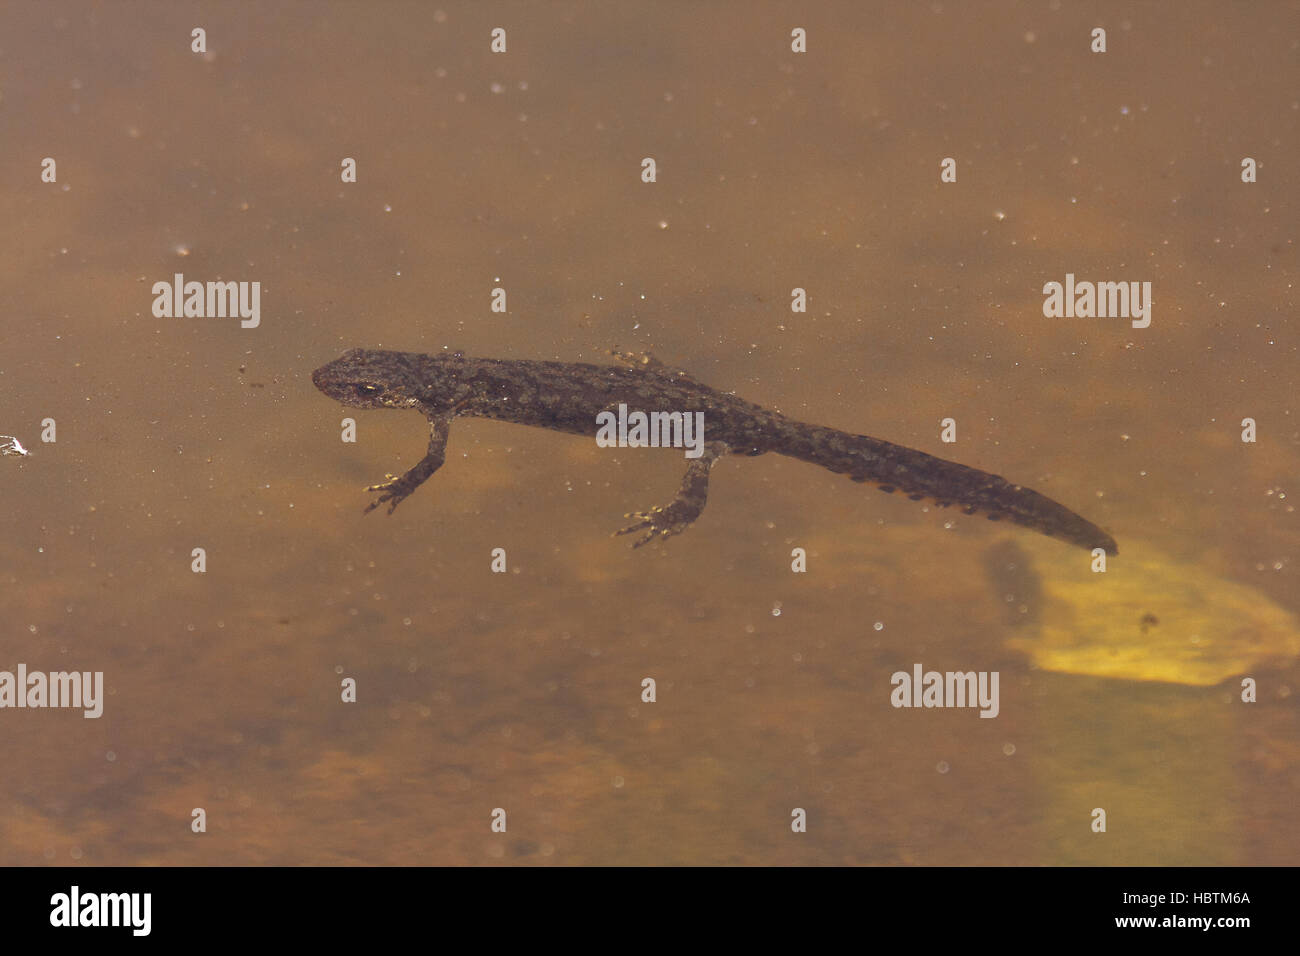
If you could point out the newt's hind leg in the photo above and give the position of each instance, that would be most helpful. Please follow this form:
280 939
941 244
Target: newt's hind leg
678 515
398 487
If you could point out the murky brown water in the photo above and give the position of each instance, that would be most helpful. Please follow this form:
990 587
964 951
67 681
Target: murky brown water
522 691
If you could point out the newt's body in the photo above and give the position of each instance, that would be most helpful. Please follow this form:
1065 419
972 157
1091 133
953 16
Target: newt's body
567 397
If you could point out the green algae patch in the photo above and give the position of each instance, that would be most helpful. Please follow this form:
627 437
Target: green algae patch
1148 617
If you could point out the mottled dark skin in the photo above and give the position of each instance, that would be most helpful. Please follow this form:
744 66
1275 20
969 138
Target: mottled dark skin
567 396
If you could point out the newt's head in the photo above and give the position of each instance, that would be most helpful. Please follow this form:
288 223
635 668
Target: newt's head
369 378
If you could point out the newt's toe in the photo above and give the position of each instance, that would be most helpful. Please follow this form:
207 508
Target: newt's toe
658 523
395 491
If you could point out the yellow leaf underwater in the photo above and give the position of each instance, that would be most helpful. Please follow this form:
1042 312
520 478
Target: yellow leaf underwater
1148 617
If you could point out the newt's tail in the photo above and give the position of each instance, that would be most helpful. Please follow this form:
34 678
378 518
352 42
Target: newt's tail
920 476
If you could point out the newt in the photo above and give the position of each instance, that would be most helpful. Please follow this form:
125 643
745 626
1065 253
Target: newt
568 396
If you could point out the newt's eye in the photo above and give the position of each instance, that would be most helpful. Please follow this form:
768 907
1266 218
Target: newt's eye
367 391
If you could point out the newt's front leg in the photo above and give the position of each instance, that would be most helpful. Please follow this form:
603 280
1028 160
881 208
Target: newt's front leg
398 487
678 515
